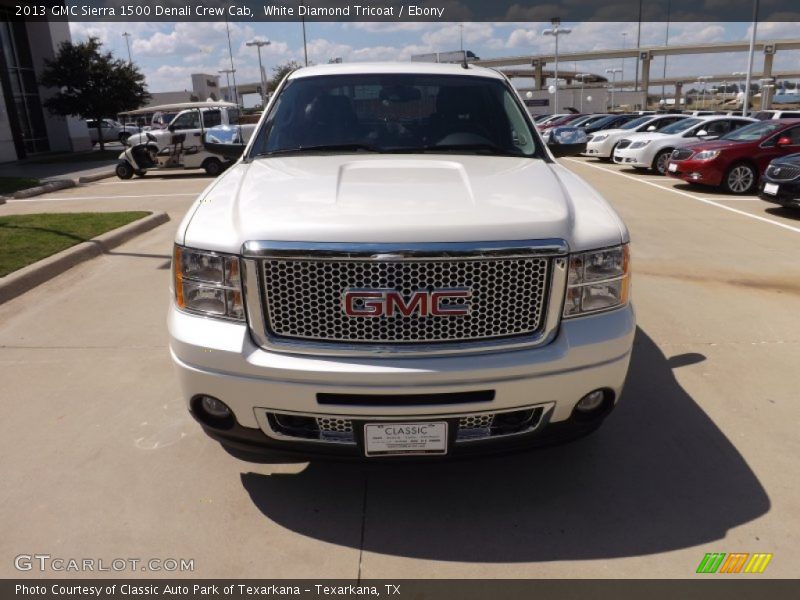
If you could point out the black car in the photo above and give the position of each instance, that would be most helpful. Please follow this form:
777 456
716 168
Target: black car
609 122
781 181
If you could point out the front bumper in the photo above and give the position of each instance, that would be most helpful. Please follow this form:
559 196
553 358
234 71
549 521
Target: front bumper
219 359
788 194
631 157
601 149
706 172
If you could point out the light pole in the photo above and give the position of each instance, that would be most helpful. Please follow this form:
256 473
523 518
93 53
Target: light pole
613 83
305 46
126 35
666 45
702 80
556 31
624 40
746 102
582 77
227 80
740 77
259 44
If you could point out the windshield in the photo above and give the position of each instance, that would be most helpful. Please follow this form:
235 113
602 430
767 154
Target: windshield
396 113
681 125
636 122
752 132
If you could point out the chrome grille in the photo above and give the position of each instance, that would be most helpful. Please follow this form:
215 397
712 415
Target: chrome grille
681 154
475 421
303 298
783 173
335 424
623 144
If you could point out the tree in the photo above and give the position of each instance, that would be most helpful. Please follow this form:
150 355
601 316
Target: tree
279 72
92 84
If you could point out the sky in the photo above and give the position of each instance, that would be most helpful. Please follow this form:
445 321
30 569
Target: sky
168 53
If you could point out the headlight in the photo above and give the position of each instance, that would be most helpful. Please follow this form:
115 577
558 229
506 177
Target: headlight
641 144
706 155
207 283
599 138
598 280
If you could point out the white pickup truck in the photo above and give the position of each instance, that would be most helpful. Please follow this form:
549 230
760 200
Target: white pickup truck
397 266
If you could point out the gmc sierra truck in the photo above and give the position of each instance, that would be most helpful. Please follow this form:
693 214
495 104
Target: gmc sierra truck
397 266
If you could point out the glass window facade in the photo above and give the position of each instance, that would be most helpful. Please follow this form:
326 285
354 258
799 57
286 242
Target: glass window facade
22 92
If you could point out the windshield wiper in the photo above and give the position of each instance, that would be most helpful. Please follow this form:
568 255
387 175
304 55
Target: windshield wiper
484 147
322 148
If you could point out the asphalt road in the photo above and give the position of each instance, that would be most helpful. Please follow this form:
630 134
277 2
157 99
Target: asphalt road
101 460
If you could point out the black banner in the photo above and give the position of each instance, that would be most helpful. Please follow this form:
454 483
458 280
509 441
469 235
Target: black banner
402 10
742 587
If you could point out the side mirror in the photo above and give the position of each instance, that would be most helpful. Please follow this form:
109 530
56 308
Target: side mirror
784 141
567 141
171 128
701 133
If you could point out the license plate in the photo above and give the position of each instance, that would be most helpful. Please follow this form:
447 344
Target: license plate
391 439
771 188
672 167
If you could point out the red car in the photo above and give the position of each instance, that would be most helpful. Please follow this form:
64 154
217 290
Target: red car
738 159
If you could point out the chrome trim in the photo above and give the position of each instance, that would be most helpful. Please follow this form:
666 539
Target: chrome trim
252 279
263 422
398 251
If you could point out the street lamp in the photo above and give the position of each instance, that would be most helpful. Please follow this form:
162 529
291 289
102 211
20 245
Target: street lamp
582 78
227 79
624 39
702 80
127 35
746 102
259 44
556 31
613 83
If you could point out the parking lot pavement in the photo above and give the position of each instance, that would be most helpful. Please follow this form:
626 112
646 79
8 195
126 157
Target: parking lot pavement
700 456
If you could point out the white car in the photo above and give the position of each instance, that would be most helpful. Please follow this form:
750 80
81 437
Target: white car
766 115
602 143
652 150
397 266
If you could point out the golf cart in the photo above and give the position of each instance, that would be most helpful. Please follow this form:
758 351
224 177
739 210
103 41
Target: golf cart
180 145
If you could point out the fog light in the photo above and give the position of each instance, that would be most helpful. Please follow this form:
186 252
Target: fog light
215 408
591 401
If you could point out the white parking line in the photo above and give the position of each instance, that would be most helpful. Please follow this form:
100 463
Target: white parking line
692 196
114 197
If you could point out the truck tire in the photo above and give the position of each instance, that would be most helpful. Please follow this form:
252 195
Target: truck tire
124 170
213 166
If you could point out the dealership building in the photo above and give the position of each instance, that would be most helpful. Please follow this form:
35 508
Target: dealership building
26 127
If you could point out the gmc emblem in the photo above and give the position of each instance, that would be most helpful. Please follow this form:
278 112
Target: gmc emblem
389 302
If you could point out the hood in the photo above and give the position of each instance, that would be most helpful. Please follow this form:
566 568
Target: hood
791 159
644 135
711 145
403 198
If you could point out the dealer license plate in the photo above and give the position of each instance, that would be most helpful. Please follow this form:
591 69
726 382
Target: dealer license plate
672 167
389 439
771 189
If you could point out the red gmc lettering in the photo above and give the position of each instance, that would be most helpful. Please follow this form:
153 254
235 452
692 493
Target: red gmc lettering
378 303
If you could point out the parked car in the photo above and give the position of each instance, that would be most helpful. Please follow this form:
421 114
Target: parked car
397 266
780 183
609 122
765 115
652 150
602 143
737 160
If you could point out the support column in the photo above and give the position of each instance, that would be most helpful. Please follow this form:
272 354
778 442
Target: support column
645 58
538 75
678 94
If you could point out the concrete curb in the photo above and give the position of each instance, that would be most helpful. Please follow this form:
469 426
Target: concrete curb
50 186
97 176
19 282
